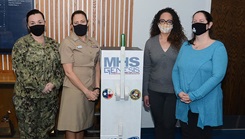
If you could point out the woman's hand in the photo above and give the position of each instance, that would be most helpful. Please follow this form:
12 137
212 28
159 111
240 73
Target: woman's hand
92 95
146 101
48 88
184 97
97 92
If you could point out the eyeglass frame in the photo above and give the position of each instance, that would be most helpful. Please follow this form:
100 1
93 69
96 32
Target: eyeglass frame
168 22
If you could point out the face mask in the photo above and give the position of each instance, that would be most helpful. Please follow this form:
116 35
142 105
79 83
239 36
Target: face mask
165 29
199 28
80 30
37 30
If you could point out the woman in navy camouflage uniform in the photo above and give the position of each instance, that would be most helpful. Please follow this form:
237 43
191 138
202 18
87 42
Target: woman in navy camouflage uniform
36 62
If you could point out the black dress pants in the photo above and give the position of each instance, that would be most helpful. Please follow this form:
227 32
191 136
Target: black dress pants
191 131
163 113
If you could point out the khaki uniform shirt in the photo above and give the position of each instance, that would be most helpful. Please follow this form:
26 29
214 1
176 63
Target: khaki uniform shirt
84 57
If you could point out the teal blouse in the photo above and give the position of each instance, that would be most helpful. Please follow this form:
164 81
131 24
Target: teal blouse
199 73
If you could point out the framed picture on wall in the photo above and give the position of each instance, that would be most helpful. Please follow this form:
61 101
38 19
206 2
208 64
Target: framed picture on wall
12 22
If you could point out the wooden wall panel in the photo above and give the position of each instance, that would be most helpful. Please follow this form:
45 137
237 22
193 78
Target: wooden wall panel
228 27
108 19
5 62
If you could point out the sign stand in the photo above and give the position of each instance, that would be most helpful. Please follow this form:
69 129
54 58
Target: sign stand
121 92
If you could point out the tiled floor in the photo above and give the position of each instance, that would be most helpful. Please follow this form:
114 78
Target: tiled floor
148 134
62 137
59 135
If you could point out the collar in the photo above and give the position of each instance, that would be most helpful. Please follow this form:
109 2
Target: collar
76 38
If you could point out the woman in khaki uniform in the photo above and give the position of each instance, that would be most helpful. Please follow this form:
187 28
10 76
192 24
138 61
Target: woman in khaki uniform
80 59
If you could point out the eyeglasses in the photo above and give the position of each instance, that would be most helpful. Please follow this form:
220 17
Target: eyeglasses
168 22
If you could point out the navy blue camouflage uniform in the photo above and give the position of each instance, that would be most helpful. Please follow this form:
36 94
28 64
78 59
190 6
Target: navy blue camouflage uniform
36 65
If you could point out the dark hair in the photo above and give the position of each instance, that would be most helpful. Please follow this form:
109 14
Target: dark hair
31 12
78 12
177 35
209 18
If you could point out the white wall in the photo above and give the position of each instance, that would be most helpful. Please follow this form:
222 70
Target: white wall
145 10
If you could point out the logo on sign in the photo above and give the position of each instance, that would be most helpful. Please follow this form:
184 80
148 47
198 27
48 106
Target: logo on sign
107 93
135 94
112 65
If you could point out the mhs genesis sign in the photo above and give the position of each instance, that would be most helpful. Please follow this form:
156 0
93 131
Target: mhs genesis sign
112 65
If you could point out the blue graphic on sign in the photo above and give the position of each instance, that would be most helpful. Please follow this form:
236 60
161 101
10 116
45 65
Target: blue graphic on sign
112 65
134 137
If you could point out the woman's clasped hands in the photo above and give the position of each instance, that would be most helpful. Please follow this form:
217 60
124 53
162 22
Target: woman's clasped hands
184 97
92 95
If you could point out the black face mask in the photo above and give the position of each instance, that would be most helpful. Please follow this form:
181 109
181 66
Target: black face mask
80 29
199 28
37 30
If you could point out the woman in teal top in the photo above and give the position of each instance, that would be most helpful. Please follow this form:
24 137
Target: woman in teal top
197 74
